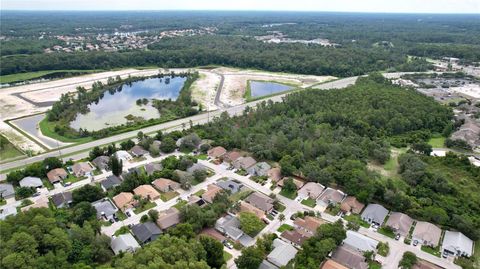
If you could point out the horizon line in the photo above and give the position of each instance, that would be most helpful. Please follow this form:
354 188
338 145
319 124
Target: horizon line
232 10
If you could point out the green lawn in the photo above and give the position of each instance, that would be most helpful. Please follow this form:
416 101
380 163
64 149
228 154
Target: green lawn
8 150
147 206
374 265
121 215
387 232
38 74
3 202
72 179
288 194
357 219
279 207
122 230
239 195
284 227
180 204
167 196
227 256
437 142
309 202
433 251
200 192
202 157
47 129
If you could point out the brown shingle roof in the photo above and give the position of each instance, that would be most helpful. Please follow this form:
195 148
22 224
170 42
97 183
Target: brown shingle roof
308 224
147 192
349 257
246 207
331 264
427 233
56 175
294 236
169 218
231 156
275 174
261 201
400 223
165 185
351 204
216 152
212 191
124 200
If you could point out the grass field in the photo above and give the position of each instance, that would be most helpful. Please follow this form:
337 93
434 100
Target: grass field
433 251
356 218
200 192
8 150
309 202
47 129
38 74
284 227
226 256
167 196
386 232
147 206
288 194
437 142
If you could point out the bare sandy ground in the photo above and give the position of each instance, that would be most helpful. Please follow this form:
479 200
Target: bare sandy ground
203 91
236 82
472 90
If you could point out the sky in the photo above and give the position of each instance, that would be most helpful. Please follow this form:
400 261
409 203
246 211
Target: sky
388 6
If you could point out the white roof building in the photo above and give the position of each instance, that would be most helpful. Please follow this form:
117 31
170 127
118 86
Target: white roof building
124 243
282 253
123 155
457 244
360 242
31 182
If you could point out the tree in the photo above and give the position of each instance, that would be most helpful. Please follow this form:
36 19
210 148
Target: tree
95 152
87 193
289 186
286 163
214 251
82 212
250 223
154 150
182 230
127 145
24 192
116 165
153 214
199 175
52 163
168 145
423 148
144 218
251 258
281 217
408 260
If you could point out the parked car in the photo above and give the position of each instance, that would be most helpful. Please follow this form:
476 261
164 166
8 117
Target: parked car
415 242
397 237
128 214
227 244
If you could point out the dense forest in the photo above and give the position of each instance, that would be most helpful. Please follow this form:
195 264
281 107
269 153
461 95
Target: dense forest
330 136
233 42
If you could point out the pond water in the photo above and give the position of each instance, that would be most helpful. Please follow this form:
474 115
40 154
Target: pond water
261 88
114 108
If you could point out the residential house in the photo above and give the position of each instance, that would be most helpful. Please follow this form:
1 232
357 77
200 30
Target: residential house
349 257
298 183
147 192
260 201
63 199
331 196
7 191
81 169
231 185
151 168
351 204
230 227
105 209
212 191
427 234
246 207
331 264
216 152
294 237
165 185
275 174
124 243
7 211
360 242
267 265
110 182
123 155
146 232
31 182
196 167
212 233
282 253
457 244
231 156
308 225
138 151
374 214
56 175
168 218
244 163
259 169
400 223
124 201
195 200
42 202
311 190
101 162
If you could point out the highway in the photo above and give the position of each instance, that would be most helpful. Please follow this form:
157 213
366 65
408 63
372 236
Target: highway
167 126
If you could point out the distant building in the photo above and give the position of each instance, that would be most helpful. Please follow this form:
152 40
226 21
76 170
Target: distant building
360 242
168 218
331 196
124 201
259 169
212 191
216 152
349 257
146 192
123 155
244 163
231 185
138 151
151 168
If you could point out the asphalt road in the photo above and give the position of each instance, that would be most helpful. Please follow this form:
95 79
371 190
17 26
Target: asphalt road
168 126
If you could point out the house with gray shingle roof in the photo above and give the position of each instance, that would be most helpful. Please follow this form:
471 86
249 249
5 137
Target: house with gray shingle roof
400 223
124 243
110 182
282 253
63 199
231 185
374 214
101 162
7 191
105 209
259 169
146 232
31 182
360 242
457 244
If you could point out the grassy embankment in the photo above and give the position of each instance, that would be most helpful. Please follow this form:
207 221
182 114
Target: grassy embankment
19 77
8 150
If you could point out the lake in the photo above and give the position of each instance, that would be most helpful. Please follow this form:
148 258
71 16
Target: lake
114 108
263 88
